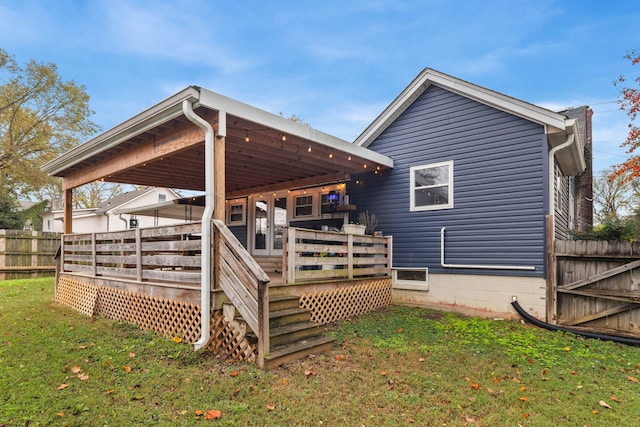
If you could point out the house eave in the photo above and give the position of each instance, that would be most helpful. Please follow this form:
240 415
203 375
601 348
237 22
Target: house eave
571 160
160 113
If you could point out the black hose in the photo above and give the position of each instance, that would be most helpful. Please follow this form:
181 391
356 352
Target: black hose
529 318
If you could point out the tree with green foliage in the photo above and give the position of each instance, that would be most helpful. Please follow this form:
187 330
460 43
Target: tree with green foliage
41 117
10 217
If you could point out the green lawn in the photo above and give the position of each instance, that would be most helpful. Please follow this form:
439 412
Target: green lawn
398 366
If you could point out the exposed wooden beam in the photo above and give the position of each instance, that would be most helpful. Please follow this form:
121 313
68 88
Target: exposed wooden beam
138 155
301 183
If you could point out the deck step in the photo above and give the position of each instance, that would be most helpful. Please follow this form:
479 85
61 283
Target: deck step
292 335
297 350
294 332
284 302
288 316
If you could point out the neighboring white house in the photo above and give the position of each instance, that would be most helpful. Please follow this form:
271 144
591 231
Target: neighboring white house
107 216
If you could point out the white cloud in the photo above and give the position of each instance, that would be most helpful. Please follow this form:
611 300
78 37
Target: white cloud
164 31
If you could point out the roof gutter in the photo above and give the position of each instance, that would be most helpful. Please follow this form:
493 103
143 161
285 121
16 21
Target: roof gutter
551 180
205 248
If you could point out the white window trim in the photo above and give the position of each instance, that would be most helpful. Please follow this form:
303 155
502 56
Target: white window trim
413 285
314 205
412 200
237 202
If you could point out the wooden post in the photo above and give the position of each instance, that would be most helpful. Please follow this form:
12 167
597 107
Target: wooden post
94 254
219 182
551 291
291 253
215 252
138 254
263 323
68 210
350 255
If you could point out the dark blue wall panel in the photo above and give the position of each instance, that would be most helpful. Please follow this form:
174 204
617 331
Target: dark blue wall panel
499 186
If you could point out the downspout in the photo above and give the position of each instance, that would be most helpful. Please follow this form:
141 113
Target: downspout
552 169
481 267
205 276
126 224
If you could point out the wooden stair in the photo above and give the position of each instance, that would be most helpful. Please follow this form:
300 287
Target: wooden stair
292 335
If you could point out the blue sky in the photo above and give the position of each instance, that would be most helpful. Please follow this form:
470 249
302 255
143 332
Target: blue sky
335 64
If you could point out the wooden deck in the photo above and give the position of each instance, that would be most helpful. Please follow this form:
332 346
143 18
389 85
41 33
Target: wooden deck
165 262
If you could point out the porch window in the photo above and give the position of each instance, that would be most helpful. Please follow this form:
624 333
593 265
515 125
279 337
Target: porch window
329 202
432 186
303 206
236 212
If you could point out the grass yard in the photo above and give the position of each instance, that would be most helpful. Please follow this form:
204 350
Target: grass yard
398 366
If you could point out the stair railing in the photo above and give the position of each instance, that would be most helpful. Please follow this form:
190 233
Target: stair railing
244 282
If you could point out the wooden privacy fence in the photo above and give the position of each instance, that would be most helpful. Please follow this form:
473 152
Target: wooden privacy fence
598 286
27 253
312 255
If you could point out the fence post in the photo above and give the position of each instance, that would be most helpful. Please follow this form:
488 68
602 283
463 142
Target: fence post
551 291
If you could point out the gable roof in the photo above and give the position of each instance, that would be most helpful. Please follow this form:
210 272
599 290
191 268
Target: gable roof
557 126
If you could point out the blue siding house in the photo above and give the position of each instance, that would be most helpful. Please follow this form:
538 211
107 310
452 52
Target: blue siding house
470 184
475 175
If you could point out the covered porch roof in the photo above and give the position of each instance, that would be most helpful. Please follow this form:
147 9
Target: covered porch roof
263 151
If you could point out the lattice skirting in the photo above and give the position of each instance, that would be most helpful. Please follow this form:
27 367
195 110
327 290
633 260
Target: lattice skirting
342 303
167 317
79 295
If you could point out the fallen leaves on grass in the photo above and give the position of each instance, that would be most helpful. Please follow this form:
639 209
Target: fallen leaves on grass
213 414
615 399
476 386
309 373
234 373
83 377
127 368
605 404
177 340
76 369
524 399
271 406
339 357
63 386
632 379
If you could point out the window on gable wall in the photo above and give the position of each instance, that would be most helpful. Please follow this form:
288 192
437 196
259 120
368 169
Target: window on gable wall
432 186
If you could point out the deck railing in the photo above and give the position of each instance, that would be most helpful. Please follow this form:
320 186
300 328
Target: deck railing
172 254
244 283
312 255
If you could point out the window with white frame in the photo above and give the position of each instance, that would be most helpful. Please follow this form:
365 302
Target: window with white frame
236 212
432 186
303 206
